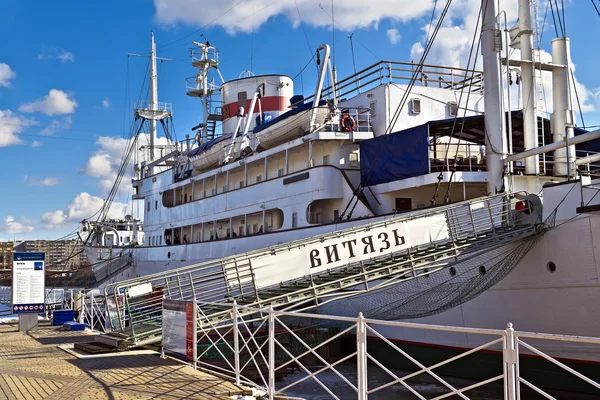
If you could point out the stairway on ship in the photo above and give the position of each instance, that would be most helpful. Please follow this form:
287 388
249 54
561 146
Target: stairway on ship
473 227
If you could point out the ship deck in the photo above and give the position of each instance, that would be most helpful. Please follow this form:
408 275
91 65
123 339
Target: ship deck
33 367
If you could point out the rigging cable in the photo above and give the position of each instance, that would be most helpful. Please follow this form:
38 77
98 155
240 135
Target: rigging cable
431 22
562 3
332 36
596 7
302 25
447 195
347 31
562 29
401 105
307 64
554 19
577 97
354 62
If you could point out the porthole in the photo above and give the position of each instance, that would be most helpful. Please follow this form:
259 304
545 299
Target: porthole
551 266
482 270
169 254
452 271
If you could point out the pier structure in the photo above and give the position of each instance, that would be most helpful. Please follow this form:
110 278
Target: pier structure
33 366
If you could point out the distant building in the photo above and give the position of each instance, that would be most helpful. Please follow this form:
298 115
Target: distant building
64 255
6 255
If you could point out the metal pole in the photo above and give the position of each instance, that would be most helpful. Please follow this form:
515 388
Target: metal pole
317 99
153 96
587 160
271 354
236 342
494 118
586 137
509 358
532 166
361 358
562 123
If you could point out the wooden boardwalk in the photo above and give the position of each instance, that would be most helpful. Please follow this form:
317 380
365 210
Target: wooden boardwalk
33 367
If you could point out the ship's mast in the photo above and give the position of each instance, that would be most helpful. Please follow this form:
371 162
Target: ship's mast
563 118
495 138
153 95
152 111
530 135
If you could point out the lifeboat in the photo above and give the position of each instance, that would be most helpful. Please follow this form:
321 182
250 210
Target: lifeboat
290 125
212 153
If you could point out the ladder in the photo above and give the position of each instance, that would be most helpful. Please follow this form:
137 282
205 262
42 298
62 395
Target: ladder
470 229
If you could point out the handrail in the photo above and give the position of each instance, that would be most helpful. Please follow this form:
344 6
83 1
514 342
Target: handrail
249 338
249 277
384 70
303 242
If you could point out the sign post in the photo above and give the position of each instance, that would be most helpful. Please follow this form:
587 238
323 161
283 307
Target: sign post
179 329
28 288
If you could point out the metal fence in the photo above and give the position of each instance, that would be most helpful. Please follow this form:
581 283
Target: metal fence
253 352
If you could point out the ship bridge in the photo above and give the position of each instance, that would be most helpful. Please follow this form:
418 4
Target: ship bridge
422 262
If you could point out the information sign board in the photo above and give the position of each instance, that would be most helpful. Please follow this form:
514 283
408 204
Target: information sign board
179 328
28 283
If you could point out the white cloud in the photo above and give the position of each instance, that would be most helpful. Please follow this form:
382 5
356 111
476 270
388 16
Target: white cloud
35 143
104 164
50 53
393 36
54 219
6 74
83 206
10 127
57 125
11 225
453 44
56 102
105 103
245 17
49 181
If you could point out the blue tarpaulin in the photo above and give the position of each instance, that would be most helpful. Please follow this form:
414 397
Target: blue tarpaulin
593 146
395 156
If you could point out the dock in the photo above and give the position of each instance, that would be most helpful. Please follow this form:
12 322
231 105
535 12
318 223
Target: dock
32 366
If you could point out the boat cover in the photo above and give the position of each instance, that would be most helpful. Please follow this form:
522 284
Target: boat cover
293 111
396 156
209 144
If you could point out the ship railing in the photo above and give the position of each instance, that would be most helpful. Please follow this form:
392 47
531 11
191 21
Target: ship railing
360 115
391 72
256 346
147 105
193 84
457 156
212 55
137 303
588 162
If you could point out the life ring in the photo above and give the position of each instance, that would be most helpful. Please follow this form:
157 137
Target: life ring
347 123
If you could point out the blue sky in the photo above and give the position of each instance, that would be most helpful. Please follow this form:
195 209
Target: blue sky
67 85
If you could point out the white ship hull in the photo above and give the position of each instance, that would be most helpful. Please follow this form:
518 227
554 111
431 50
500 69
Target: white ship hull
532 297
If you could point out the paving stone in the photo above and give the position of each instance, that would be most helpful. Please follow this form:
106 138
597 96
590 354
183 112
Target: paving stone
33 367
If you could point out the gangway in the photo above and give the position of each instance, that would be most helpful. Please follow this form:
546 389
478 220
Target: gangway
307 274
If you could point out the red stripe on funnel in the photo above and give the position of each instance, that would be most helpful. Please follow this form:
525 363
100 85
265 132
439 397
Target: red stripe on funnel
268 103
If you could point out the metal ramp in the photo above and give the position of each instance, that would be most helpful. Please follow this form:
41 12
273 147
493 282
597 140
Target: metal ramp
306 274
